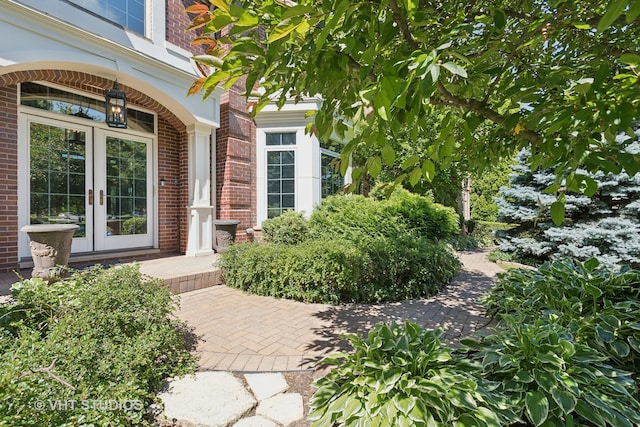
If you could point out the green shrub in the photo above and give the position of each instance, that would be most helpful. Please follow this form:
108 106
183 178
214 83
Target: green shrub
289 228
402 375
552 380
422 215
352 217
102 338
407 267
600 306
357 250
373 269
462 243
314 271
135 226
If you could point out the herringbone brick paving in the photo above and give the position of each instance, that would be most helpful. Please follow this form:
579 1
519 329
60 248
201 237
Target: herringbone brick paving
243 332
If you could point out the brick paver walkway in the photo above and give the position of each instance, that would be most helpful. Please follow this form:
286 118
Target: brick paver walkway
242 332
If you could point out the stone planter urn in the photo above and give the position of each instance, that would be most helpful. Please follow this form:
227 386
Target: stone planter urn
225 233
50 248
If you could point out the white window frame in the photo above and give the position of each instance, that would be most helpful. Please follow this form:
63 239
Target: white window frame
261 166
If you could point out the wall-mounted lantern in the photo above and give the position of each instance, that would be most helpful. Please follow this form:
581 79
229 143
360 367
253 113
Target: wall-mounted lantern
116 107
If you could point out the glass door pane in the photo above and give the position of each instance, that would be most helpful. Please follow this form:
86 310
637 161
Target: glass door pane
124 186
59 179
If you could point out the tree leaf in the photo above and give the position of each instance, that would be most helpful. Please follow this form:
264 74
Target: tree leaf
557 212
247 19
630 58
537 407
428 169
614 10
455 69
197 8
374 165
282 30
415 177
633 12
221 4
388 155
410 162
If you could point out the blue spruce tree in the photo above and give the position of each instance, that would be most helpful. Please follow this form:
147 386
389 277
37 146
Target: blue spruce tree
606 226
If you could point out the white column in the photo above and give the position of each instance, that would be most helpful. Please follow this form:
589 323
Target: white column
200 207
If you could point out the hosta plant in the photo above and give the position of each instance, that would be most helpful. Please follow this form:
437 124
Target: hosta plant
402 375
600 306
552 380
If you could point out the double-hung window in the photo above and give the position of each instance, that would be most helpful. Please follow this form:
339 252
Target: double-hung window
281 165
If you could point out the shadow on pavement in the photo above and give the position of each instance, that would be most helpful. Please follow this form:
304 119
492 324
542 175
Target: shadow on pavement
455 309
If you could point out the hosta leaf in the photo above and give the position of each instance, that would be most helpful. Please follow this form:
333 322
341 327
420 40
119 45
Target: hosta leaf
604 334
591 264
537 407
565 400
546 380
404 404
468 420
523 377
610 320
417 413
634 343
462 399
587 411
351 408
592 290
620 348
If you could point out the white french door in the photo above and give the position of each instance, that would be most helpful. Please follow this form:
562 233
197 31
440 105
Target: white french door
99 179
123 190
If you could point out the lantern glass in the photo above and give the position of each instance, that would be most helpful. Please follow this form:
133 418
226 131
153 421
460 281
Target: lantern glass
116 108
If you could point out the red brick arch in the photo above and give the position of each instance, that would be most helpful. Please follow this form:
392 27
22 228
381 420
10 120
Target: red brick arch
91 84
172 162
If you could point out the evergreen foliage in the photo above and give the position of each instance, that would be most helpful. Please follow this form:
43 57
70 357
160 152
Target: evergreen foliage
353 249
605 226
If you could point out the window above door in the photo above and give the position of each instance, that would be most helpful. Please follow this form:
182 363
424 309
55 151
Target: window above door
62 102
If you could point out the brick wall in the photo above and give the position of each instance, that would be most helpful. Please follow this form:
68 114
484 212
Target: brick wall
236 162
8 178
172 226
172 160
177 21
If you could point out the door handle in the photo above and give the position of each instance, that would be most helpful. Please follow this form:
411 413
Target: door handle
90 197
101 197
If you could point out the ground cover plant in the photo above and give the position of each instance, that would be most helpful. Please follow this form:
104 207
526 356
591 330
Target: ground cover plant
522 374
551 379
599 306
89 350
403 375
564 353
353 249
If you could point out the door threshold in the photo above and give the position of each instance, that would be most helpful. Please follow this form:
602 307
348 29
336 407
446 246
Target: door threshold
86 257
